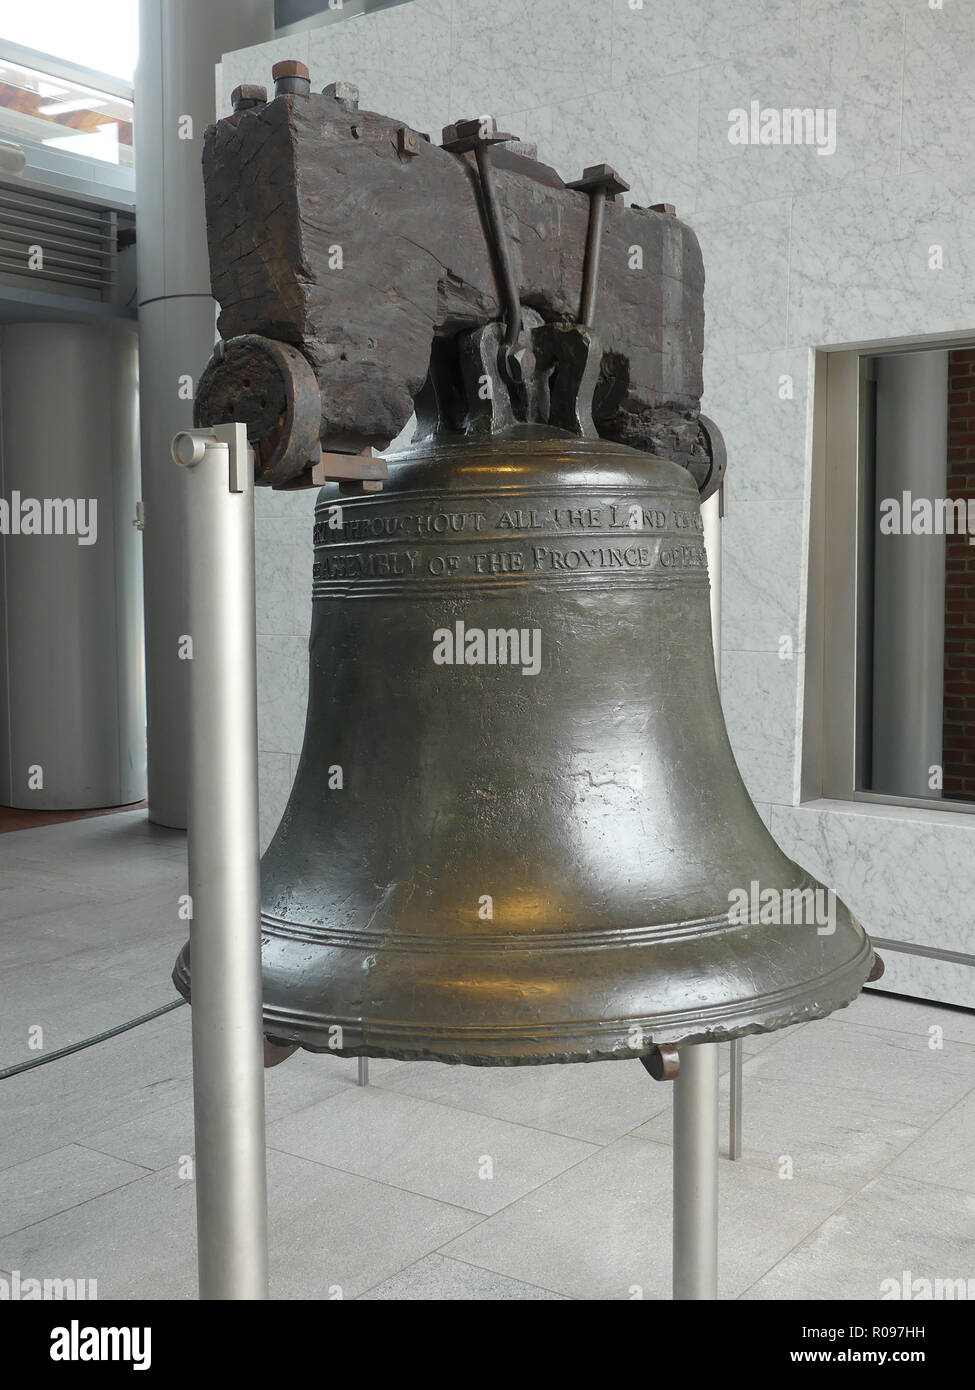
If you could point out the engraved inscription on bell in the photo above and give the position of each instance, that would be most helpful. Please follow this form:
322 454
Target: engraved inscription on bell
561 537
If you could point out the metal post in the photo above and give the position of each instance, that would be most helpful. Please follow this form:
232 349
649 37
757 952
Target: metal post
696 1173
228 1075
711 513
362 1079
734 1108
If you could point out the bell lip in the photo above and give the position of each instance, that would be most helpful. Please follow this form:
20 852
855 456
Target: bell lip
598 1041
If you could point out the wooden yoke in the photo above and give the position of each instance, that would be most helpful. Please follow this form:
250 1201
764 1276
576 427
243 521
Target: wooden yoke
347 251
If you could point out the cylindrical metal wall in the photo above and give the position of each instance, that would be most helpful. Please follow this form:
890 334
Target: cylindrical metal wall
72 680
175 100
909 574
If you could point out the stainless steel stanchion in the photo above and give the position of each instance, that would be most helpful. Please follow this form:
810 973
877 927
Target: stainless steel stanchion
362 1079
696 1173
736 1085
711 514
228 1074
696 1086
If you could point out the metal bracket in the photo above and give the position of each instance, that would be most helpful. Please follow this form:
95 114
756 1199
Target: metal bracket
190 446
369 472
573 357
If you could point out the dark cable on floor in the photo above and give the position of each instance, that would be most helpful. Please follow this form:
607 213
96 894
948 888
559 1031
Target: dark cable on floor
89 1042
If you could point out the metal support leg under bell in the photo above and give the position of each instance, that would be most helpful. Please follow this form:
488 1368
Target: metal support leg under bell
736 1086
224 859
696 1173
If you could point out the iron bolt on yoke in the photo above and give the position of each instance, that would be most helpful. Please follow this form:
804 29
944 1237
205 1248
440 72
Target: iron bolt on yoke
479 135
247 96
345 93
291 78
407 141
603 184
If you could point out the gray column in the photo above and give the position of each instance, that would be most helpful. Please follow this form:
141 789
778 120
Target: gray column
181 41
909 575
72 690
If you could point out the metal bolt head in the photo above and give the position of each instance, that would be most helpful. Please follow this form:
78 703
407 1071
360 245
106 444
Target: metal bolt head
289 67
600 178
246 95
468 135
482 126
407 141
345 93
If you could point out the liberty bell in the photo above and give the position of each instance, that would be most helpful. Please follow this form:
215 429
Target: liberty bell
517 833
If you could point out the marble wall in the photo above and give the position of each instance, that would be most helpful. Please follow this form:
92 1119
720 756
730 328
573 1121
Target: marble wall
801 250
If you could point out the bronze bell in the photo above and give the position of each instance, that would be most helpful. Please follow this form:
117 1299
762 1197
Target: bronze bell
517 833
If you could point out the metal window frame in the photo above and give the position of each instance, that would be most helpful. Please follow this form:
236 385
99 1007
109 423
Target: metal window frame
320 15
836 684
63 68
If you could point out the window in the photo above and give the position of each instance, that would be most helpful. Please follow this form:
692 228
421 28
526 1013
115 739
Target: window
52 110
891 615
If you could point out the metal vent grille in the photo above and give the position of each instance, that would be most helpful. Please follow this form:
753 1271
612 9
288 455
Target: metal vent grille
72 245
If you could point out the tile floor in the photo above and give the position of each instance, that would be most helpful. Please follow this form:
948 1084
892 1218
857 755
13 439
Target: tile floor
437 1182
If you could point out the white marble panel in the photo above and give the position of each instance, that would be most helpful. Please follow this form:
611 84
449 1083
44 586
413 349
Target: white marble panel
272 504
939 103
924 977
274 556
758 400
746 267
654 37
856 39
398 58
758 695
282 692
274 771
304 559
906 874
761 574
508 55
648 134
861 260
863 116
